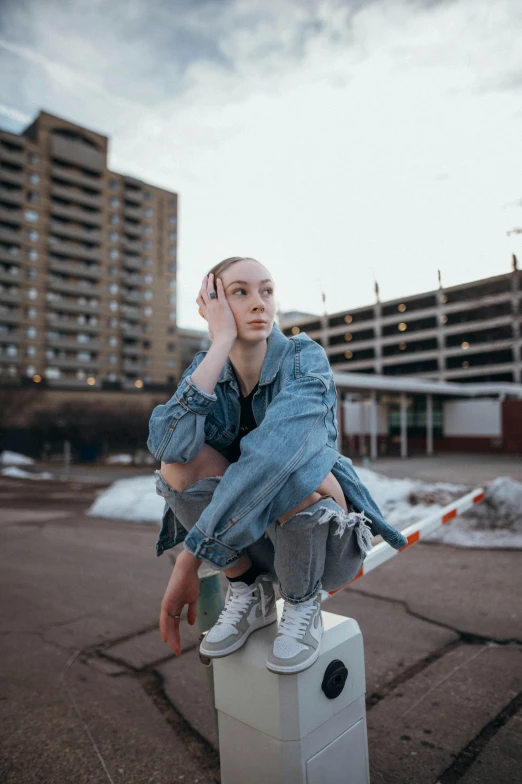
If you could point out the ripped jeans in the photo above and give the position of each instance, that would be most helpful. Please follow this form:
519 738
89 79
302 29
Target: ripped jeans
319 547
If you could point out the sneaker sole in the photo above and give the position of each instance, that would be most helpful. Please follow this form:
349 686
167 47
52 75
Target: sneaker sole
259 624
282 670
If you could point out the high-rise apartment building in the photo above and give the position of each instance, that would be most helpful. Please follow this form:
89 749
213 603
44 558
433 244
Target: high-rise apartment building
469 332
87 264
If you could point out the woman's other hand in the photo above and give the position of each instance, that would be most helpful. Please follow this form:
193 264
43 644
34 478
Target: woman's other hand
216 311
183 589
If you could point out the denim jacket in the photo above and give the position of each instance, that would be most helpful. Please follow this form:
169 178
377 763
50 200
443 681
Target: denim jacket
283 460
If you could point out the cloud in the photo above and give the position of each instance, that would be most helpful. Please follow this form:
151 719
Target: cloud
328 138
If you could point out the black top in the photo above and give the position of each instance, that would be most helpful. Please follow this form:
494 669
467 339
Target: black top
246 424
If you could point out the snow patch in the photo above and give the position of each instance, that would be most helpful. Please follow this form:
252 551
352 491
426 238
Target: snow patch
19 473
14 458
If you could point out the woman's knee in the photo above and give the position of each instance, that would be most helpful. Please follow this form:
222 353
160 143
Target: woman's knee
330 487
208 462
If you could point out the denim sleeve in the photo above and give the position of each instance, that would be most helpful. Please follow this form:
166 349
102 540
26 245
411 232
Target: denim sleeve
177 428
292 432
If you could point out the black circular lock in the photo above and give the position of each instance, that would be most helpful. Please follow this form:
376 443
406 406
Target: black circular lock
334 679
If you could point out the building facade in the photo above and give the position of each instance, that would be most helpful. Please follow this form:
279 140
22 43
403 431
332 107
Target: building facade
87 265
471 332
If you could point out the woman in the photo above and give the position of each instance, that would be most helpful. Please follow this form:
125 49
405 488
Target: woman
252 478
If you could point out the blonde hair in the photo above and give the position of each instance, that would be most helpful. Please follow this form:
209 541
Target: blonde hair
218 269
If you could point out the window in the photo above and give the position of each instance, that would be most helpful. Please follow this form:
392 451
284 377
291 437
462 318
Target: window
171 331
172 315
32 255
32 236
113 271
113 288
111 377
34 158
80 375
84 356
113 323
147 261
34 178
114 220
172 267
172 299
147 244
172 251
147 361
114 236
30 370
30 351
14 250
112 359
149 212
51 372
114 202
171 347
31 332
113 340
83 338
147 295
32 293
147 312
173 221
50 353
172 202
171 362
147 278
32 216
172 284
113 253
32 273
32 196
172 235
148 195
147 229
12 351
114 185
113 306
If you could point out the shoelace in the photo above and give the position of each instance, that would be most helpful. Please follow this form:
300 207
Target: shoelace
237 601
295 620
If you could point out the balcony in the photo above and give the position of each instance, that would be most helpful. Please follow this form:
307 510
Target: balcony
77 152
132 296
83 180
128 365
10 156
130 312
6 359
12 176
11 216
76 195
12 195
132 332
76 232
70 249
65 306
10 337
132 195
81 288
91 364
8 316
131 245
10 297
65 324
10 258
129 228
71 343
82 216
131 263
10 235
130 350
8 277
131 280
131 212
76 268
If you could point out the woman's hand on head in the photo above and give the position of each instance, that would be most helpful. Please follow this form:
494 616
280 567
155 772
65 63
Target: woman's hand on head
216 311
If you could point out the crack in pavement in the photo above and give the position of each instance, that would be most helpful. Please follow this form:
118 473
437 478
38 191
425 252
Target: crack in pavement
467 756
470 637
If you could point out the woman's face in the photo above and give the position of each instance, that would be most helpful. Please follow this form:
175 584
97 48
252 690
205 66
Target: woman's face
249 290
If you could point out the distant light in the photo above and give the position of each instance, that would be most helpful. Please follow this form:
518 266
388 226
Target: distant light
402 307
443 298
402 326
465 364
348 319
444 319
37 378
348 336
138 383
465 344
402 346
91 381
348 354
295 330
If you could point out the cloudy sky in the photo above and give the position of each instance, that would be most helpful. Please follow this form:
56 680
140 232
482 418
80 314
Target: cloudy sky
338 141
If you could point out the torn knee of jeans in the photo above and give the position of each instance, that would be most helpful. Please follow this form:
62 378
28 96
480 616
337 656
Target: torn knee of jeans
207 483
346 521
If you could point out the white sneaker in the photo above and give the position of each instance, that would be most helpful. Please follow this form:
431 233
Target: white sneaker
247 608
296 646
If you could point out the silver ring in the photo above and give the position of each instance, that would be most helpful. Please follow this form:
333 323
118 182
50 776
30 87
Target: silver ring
213 295
174 616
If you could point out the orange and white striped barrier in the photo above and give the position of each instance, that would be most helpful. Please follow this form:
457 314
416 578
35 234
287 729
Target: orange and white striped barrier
417 531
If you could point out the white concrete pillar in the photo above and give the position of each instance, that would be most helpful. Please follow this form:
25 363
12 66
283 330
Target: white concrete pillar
429 424
373 426
404 426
